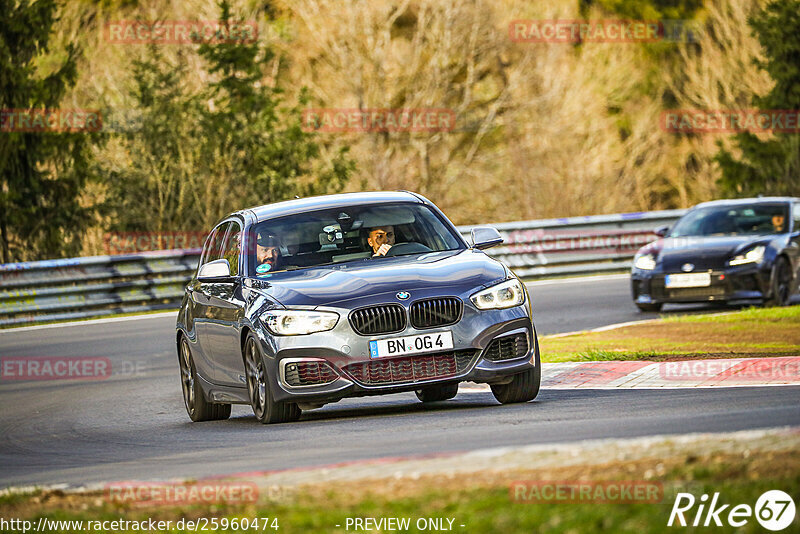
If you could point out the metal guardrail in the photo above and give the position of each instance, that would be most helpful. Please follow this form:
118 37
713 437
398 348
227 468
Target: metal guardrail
76 288
576 245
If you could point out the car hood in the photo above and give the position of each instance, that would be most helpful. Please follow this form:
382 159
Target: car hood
706 252
335 285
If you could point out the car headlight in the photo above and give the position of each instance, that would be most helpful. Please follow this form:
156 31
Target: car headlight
504 295
754 255
298 322
645 262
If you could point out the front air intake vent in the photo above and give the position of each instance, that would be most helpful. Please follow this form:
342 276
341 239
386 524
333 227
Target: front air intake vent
430 313
507 348
309 373
382 319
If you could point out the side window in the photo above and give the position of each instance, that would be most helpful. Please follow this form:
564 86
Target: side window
208 246
796 217
216 242
232 246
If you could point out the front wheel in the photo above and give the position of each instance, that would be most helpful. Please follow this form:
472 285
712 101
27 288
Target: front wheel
781 284
198 408
523 387
264 407
437 393
654 307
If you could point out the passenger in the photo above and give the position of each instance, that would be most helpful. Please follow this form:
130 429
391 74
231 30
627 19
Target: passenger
778 221
381 239
267 253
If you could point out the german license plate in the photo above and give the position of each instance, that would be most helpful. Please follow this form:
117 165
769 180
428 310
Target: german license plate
688 280
418 344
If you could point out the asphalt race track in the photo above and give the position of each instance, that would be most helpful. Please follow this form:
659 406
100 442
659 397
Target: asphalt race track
132 426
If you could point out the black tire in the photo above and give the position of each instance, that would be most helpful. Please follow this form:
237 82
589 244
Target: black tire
437 393
198 408
655 307
264 407
781 284
523 387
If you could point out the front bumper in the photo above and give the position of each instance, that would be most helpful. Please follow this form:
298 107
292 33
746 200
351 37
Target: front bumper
347 354
735 284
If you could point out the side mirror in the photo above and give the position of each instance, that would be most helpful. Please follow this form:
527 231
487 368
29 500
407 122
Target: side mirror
214 269
661 231
485 237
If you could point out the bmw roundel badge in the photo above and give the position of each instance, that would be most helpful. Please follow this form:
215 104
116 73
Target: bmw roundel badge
403 295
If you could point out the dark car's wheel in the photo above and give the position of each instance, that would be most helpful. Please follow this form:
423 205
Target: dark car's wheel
654 307
523 387
437 393
198 408
781 284
265 408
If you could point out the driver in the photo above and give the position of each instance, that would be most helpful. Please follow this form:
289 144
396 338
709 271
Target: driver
267 253
381 239
777 222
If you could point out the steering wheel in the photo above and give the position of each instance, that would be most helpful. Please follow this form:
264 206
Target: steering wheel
398 249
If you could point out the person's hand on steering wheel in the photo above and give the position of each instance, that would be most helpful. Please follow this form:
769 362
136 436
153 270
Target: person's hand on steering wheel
383 249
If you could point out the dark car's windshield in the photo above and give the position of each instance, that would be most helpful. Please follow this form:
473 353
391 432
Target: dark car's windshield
753 219
339 235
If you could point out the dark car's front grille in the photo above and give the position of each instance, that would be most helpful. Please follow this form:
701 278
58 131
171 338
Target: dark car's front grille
507 348
309 373
696 292
717 289
411 368
382 319
441 311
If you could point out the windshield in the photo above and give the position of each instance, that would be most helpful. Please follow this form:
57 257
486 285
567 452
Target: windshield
754 219
353 233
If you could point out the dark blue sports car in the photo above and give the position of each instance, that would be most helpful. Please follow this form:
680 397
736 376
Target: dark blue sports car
734 251
301 303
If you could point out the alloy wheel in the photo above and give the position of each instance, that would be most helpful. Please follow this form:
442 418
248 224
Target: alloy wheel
187 376
256 379
784 280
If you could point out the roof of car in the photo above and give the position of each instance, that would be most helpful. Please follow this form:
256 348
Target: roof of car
741 201
288 207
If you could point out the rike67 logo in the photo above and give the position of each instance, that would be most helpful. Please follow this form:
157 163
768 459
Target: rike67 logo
774 510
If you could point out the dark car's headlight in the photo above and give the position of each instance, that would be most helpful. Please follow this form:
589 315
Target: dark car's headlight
645 262
504 295
754 255
298 322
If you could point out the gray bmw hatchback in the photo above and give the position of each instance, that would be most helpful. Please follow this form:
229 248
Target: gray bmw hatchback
301 303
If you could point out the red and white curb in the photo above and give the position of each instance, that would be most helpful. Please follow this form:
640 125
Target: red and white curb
674 374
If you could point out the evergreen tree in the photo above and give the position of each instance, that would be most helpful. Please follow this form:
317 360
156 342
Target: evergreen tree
248 134
203 153
770 166
42 173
